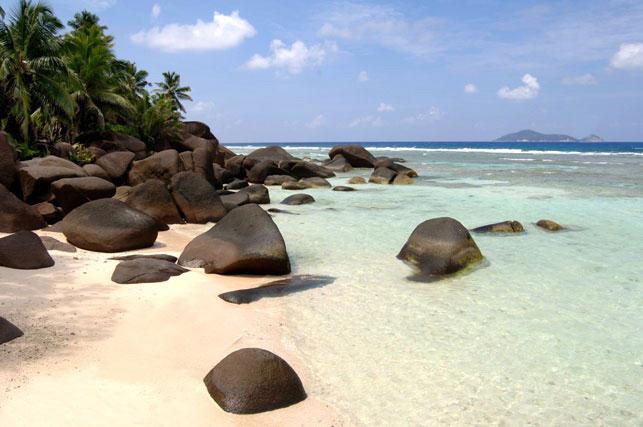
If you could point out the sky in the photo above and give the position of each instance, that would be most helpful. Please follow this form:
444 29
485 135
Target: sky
465 70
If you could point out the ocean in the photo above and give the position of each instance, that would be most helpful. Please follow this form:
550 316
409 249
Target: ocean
547 330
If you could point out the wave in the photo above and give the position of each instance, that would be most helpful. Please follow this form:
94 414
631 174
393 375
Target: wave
450 150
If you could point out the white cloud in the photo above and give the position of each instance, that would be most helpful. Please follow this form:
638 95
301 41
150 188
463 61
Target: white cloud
294 58
433 114
385 108
373 121
382 25
362 77
582 80
223 32
156 10
201 106
94 4
317 122
628 57
470 88
529 90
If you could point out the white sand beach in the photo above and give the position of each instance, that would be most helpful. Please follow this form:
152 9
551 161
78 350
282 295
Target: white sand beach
96 353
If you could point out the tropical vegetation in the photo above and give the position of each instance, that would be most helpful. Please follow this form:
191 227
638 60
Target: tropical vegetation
60 83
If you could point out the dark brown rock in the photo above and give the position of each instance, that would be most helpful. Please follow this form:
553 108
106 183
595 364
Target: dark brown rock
192 143
501 227
199 129
36 175
294 185
95 170
222 175
315 182
356 180
116 164
187 162
277 288
298 199
52 244
223 154
257 193
73 192
273 153
231 201
153 199
252 380
549 225
108 225
162 166
203 159
196 198
338 164
262 169
8 331
310 170
146 270
278 179
16 215
237 184
62 149
440 246
51 214
356 155
24 251
162 257
235 166
245 241
343 188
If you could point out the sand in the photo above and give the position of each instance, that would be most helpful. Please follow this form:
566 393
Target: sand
96 353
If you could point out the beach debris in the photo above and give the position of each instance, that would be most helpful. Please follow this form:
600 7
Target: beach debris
116 164
196 198
52 244
356 155
549 225
16 215
24 251
357 180
146 270
245 241
153 198
343 188
277 288
8 331
257 193
382 175
108 225
298 199
440 246
501 227
253 380
73 192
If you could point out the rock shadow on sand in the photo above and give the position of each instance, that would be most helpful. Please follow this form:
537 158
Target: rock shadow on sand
278 288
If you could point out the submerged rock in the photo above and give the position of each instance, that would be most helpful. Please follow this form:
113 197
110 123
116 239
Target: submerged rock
245 241
298 199
108 225
382 176
549 225
24 251
8 331
253 380
440 246
146 270
356 180
343 188
501 227
276 289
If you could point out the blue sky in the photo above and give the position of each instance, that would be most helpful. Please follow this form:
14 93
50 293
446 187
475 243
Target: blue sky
398 70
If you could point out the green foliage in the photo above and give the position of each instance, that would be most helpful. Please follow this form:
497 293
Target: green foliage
159 123
80 155
171 88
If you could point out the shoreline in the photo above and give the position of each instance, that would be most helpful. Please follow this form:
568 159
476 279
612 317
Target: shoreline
98 353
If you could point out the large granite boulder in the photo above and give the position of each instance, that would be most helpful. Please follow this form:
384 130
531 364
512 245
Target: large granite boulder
223 154
203 159
273 153
116 164
338 164
235 166
356 155
109 225
73 192
8 161
253 380
245 241
108 142
8 331
24 251
232 201
146 270
298 199
278 179
440 246
221 175
257 193
36 175
315 182
16 215
261 170
163 166
192 142
310 170
501 227
51 214
93 169
382 176
153 199
237 184
196 198
199 129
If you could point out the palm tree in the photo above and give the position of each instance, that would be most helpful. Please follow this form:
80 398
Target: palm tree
85 19
133 81
171 88
96 88
32 71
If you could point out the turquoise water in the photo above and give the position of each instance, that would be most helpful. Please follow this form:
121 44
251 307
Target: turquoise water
548 330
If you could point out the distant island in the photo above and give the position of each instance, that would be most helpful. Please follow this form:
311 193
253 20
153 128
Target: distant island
533 136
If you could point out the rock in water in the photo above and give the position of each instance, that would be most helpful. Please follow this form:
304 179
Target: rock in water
440 246
8 331
153 198
108 225
338 164
146 270
357 180
245 241
16 215
549 225
315 182
278 179
382 176
253 380
343 188
257 193
24 251
298 199
196 198
501 227
356 155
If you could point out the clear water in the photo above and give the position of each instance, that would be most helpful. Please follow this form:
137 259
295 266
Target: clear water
549 330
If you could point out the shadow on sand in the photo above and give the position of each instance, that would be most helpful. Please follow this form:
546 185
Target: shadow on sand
277 288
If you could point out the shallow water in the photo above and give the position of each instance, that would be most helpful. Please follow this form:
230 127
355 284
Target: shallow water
546 331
